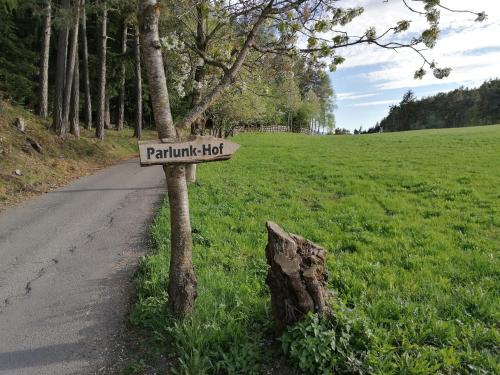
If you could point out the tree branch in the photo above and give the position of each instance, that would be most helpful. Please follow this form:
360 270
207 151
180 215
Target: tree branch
230 76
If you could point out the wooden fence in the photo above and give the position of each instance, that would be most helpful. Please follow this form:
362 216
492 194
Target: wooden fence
268 129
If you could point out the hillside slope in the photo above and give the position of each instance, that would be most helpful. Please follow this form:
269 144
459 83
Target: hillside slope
60 161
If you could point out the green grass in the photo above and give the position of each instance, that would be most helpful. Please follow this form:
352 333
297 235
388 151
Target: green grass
412 224
62 159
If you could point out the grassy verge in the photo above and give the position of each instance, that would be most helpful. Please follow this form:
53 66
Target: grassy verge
62 160
412 224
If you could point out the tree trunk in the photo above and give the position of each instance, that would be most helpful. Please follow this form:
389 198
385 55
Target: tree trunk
191 172
43 103
296 278
101 94
74 117
138 85
197 127
62 52
86 78
121 103
107 114
182 281
199 74
70 67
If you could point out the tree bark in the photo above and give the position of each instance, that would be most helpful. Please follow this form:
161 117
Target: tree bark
199 74
43 103
296 278
74 117
182 280
121 103
153 60
70 67
191 172
62 52
86 78
107 114
138 85
101 94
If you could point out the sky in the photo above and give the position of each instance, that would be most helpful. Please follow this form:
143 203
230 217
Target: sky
371 79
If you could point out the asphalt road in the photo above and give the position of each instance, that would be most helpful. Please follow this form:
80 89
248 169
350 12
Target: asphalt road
66 271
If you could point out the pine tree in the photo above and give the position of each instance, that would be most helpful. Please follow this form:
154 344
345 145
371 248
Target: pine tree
101 94
85 63
43 101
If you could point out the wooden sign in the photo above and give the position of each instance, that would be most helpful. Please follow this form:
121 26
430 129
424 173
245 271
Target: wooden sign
200 149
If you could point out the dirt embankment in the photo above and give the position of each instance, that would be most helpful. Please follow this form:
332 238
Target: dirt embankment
33 160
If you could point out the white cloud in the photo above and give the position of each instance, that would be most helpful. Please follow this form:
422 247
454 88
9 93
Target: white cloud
352 96
468 71
376 102
460 36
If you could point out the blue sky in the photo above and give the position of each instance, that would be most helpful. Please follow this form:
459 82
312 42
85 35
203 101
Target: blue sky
372 79
360 103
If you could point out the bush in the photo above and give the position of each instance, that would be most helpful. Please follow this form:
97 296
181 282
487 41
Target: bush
337 344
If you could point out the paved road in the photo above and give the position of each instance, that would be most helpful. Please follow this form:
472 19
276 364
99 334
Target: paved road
66 265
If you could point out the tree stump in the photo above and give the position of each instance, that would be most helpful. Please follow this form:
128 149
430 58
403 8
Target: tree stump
20 123
297 277
34 144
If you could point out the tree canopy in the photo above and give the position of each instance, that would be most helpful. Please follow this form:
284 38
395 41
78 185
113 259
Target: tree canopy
457 108
224 38
270 89
276 52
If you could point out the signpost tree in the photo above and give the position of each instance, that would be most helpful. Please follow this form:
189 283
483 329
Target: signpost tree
247 29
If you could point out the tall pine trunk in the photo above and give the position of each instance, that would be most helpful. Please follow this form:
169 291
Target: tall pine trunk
70 66
121 99
62 53
107 114
138 85
182 281
85 63
74 116
43 101
101 94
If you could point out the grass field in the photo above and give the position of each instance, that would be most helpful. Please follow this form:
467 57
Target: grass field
412 224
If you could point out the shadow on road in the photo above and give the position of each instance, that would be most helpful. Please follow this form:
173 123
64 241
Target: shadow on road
106 189
36 357
102 344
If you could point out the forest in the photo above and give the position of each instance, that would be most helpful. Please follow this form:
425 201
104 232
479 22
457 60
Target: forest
170 270
81 61
458 108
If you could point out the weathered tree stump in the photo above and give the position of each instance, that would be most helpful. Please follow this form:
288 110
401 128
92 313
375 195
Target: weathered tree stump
297 277
34 144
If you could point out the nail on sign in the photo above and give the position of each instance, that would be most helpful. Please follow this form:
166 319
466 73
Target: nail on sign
198 150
